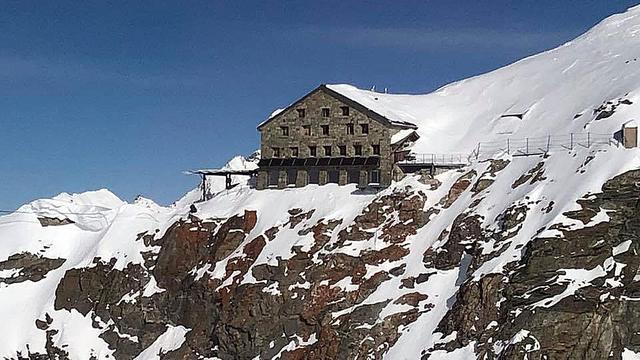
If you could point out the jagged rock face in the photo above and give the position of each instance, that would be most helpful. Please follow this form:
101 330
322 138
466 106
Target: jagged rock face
26 266
530 312
50 221
450 263
295 297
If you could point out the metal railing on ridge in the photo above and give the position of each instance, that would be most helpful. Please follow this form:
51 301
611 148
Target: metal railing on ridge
437 159
541 144
516 147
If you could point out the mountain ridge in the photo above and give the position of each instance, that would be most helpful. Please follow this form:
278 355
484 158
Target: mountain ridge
503 259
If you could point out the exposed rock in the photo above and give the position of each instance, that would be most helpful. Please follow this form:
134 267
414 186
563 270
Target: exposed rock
608 108
51 221
458 188
27 266
486 179
530 313
464 232
428 179
535 175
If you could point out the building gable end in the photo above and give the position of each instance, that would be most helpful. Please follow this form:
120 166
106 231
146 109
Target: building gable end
345 100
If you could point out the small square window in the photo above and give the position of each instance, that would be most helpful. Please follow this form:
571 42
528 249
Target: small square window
364 128
302 112
325 112
276 152
345 110
327 150
313 151
374 177
294 151
357 149
343 150
325 129
285 130
375 149
349 129
292 175
273 177
307 130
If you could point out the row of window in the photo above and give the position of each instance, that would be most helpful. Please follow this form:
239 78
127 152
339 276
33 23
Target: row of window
324 112
324 129
294 151
333 176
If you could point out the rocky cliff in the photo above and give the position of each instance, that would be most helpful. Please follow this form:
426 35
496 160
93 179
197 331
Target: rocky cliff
510 257
486 262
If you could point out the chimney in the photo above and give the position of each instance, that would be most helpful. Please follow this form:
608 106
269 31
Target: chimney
630 134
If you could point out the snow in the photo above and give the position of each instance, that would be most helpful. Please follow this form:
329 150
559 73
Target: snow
549 88
555 92
276 112
574 279
622 247
630 355
400 135
296 343
171 340
105 227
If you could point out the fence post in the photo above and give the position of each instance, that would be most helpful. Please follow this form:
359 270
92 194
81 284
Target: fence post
588 139
508 147
571 147
527 148
478 151
548 142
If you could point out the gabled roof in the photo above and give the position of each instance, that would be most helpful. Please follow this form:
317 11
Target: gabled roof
348 100
404 135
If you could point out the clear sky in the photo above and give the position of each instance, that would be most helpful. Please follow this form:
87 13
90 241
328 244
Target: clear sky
127 94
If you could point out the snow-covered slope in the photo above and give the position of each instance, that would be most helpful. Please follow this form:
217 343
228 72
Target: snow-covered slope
557 91
514 257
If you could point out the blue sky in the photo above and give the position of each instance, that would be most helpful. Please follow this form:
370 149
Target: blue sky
126 95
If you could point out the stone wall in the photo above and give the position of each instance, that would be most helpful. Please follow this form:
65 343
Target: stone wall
298 136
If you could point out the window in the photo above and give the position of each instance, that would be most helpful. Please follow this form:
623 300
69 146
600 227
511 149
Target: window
325 112
314 176
325 129
276 152
294 151
292 175
353 176
302 112
349 129
285 130
273 177
364 128
345 110
334 176
375 149
327 150
307 130
343 150
374 177
313 151
357 149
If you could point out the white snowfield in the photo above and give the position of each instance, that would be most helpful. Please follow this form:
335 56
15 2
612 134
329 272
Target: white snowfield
548 90
555 92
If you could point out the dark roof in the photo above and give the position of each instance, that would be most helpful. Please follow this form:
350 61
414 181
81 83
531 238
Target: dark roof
348 101
411 136
309 162
221 172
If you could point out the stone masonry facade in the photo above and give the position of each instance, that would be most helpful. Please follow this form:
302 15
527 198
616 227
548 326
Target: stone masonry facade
326 138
